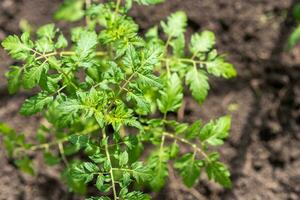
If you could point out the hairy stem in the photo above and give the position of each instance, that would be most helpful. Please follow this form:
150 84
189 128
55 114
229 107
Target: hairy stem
87 5
111 168
54 143
118 6
194 146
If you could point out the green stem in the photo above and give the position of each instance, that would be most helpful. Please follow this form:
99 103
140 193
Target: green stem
62 153
118 6
111 168
194 146
87 6
66 53
54 143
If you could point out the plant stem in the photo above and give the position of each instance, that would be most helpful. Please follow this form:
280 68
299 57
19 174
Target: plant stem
194 146
66 53
111 168
87 5
118 6
62 140
62 153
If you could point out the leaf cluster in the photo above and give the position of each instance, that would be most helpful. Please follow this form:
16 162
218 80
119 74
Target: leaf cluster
99 92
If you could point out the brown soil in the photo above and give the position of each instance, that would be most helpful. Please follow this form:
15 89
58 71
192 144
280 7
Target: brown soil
263 150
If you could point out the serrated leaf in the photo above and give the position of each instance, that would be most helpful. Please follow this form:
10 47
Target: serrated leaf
18 49
171 96
216 131
218 172
33 75
86 44
35 104
123 158
101 185
140 172
194 130
14 79
61 42
140 101
84 171
149 80
158 163
47 31
202 42
70 10
178 45
219 67
176 24
135 195
79 140
197 81
189 169
131 59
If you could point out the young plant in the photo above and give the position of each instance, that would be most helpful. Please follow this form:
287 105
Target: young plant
108 98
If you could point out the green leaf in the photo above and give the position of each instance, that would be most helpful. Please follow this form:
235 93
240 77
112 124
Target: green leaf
131 59
135 195
171 96
218 172
151 57
51 159
296 11
35 104
294 38
44 45
70 10
18 49
197 81
189 169
123 158
14 79
149 80
174 150
25 164
149 2
219 68
158 163
47 31
101 185
194 130
140 172
178 46
84 171
61 42
32 76
140 100
202 42
86 44
79 140
215 132
176 24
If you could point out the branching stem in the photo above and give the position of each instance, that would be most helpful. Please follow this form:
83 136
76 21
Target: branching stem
54 143
194 146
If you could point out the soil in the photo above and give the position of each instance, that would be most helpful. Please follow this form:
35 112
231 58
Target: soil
263 150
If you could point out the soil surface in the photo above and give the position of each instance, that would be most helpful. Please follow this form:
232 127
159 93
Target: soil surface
263 151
